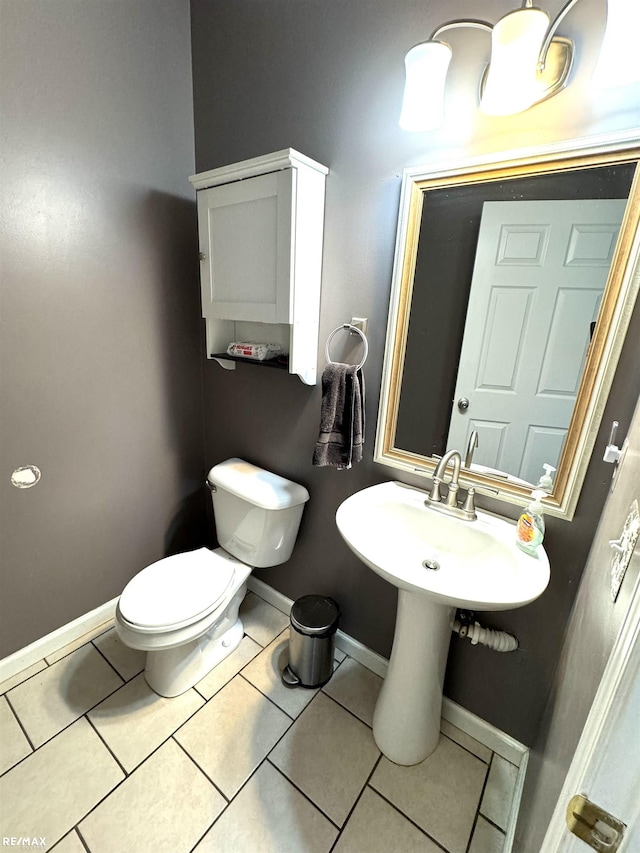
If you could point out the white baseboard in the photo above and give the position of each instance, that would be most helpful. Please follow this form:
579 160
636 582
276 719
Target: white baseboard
24 658
270 595
500 743
497 741
515 804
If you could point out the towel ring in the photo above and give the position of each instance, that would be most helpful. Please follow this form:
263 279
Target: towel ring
351 328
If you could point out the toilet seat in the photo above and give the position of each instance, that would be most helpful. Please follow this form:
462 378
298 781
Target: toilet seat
177 591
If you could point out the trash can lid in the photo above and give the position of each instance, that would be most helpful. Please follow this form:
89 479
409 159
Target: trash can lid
315 614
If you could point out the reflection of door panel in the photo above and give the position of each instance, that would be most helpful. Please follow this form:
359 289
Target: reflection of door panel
539 273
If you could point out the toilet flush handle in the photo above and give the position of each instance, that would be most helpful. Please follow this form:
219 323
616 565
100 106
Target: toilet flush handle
212 488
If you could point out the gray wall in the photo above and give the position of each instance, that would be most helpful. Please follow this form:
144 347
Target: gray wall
592 631
325 77
100 333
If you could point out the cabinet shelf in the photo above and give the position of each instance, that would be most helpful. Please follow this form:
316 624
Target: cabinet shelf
281 361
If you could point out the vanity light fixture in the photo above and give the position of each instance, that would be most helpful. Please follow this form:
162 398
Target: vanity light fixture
618 61
529 63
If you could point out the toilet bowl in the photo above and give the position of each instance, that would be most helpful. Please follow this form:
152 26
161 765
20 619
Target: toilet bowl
183 610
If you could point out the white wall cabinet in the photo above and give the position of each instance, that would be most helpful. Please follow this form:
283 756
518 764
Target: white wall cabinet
260 225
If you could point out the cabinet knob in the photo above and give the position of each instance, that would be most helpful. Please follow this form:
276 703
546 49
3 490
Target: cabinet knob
202 256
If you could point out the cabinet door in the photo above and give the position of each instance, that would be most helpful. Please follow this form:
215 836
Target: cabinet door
246 238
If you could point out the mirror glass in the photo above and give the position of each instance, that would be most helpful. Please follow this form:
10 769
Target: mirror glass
507 284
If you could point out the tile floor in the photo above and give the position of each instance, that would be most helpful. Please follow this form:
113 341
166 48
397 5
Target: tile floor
91 759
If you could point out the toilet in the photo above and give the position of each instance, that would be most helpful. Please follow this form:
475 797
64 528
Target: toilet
183 610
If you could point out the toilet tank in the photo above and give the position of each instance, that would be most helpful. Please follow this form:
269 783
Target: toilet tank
257 513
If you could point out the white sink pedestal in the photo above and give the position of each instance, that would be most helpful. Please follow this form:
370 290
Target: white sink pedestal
474 565
406 721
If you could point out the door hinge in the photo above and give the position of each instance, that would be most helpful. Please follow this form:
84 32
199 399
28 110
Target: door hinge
593 825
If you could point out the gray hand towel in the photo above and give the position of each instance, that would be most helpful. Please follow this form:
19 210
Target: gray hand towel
342 417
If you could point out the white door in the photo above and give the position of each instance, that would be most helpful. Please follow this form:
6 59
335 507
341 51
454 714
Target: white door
539 274
606 765
246 246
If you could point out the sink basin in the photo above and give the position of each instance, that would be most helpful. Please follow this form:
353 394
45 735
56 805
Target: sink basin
479 565
438 563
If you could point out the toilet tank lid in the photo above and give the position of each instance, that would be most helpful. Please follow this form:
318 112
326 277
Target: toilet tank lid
259 487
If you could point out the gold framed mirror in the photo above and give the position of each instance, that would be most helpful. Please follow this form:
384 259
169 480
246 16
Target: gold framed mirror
514 281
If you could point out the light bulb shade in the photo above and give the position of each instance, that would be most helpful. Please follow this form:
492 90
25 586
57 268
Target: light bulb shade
512 83
426 68
618 63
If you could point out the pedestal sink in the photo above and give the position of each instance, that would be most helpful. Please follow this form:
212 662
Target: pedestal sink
438 563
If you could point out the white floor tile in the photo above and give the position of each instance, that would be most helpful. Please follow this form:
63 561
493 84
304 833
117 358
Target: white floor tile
441 794
454 733
127 662
55 697
54 788
498 795
21 676
232 734
328 754
269 816
261 621
486 838
225 671
13 743
376 827
70 844
231 745
355 687
135 720
265 673
165 806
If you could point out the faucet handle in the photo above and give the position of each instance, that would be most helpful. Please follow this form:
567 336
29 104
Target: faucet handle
470 503
435 496
452 497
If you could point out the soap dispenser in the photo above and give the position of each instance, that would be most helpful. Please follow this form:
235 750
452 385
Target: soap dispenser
546 481
530 529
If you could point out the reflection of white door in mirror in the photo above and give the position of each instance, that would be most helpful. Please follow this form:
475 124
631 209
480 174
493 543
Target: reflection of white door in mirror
539 273
440 215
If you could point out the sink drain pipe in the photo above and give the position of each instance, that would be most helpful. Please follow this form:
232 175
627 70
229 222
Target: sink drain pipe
465 625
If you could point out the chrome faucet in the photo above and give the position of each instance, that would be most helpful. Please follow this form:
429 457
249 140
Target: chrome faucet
473 443
466 511
438 477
